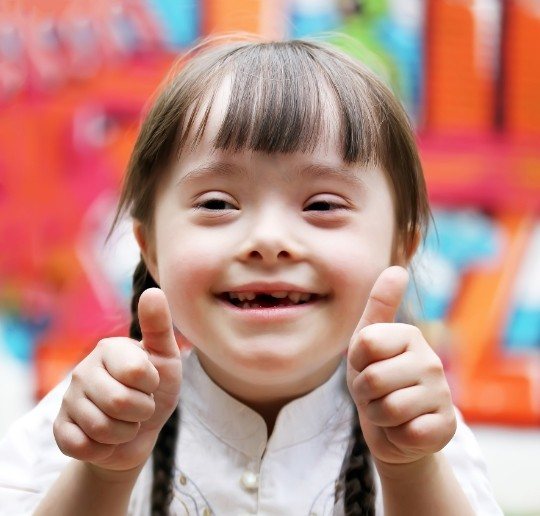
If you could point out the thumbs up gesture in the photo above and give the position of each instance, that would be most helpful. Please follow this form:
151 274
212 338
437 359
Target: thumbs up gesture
396 380
122 393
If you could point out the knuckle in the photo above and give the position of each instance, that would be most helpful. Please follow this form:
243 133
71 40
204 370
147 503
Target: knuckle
59 435
450 420
368 338
118 402
371 379
98 429
77 375
136 369
80 449
101 345
73 446
148 409
131 430
417 432
413 331
449 402
435 366
391 408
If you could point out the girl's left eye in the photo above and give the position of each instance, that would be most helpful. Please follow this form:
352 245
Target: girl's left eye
325 206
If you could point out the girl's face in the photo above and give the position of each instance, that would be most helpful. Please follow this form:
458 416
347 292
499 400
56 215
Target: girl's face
248 222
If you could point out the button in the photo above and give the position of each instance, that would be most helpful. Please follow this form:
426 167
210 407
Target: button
250 480
183 480
206 512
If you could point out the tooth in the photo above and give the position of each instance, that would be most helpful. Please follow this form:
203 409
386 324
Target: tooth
245 305
281 294
294 296
233 295
250 296
304 296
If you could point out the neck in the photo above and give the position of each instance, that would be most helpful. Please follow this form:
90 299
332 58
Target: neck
267 399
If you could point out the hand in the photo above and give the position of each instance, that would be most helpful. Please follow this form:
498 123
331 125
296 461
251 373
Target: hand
397 381
122 393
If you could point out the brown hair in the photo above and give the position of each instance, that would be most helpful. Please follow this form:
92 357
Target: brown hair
276 106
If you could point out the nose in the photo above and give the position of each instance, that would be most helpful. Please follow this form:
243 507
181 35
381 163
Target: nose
270 238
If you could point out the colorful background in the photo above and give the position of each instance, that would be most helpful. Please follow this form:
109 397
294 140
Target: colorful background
75 77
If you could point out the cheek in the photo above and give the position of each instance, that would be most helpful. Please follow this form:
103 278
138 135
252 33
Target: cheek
188 270
353 268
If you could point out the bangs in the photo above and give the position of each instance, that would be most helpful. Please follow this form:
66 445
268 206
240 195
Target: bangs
285 99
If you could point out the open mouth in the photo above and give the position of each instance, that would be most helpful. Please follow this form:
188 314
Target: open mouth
246 300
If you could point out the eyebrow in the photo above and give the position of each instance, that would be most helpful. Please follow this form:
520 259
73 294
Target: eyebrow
314 170
212 169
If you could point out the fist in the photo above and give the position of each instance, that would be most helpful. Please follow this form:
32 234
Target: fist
122 393
397 381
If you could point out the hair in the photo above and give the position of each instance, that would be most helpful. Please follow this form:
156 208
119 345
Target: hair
276 105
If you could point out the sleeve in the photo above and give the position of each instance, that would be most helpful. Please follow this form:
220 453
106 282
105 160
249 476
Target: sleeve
465 457
30 460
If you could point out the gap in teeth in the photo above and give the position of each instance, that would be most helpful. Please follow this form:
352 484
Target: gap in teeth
294 297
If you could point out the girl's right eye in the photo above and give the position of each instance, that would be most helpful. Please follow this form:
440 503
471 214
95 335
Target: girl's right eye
214 205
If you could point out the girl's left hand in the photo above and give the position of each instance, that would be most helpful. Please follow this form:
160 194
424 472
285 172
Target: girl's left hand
397 381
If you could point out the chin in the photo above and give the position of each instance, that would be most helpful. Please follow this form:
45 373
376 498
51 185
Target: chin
269 359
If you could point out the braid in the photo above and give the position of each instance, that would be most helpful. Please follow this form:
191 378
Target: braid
163 453
356 478
163 457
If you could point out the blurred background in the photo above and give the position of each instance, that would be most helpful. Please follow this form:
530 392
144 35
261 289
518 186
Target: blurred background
75 77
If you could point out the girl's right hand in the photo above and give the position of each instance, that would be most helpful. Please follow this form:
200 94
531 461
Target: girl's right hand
122 393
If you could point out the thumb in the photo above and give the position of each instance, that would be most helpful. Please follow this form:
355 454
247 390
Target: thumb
385 297
156 324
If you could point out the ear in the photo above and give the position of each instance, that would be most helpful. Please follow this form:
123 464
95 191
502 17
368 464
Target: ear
404 254
148 248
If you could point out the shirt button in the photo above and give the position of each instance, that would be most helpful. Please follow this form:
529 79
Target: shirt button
250 480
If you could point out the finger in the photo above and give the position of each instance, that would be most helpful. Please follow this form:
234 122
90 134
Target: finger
156 324
129 364
385 297
101 428
381 341
400 406
73 442
118 401
428 433
386 376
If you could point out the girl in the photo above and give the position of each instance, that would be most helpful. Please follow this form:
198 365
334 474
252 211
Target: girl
277 196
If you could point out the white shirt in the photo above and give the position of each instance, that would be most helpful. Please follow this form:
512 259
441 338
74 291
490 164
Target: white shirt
220 468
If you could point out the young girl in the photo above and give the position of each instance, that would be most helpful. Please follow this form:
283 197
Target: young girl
277 197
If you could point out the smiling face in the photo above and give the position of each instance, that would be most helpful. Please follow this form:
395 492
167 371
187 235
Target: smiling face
230 222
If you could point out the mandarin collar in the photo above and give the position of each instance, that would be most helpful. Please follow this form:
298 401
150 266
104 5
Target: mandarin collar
244 429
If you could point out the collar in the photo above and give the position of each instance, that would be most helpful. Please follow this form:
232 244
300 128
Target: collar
244 429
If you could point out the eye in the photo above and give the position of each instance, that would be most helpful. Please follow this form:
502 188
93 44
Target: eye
324 206
215 205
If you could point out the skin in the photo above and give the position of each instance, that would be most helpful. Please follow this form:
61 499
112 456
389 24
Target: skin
266 225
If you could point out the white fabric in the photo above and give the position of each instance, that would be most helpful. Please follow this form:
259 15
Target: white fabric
223 451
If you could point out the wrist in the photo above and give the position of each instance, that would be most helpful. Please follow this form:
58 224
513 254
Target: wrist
410 471
112 476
